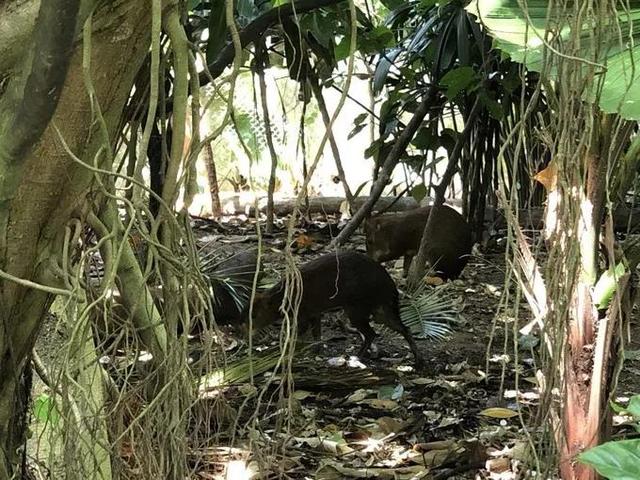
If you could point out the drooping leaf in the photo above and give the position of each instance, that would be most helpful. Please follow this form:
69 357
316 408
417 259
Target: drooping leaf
341 49
615 460
427 3
217 30
356 130
448 139
462 31
385 63
392 4
360 187
425 139
193 4
372 150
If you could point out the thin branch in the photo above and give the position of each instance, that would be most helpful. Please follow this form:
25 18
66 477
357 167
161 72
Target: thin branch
269 136
389 164
322 106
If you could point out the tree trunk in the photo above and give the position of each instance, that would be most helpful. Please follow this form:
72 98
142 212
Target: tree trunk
54 187
216 207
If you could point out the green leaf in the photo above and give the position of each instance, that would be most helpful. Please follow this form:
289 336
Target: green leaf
383 67
448 139
217 30
615 460
634 406
360 118
520 35
277 3
375 40
360 187
457 80
356 130
428 3
606 286
419 192
44 410
193 4
358 124
493 107
387 392
372 150
341 50
425 139
392 4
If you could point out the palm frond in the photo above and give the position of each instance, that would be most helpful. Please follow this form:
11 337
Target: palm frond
430 312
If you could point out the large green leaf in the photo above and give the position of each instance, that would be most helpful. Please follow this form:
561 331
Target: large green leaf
520 34
217 30
615 460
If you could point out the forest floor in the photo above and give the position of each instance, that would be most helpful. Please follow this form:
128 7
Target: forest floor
460 417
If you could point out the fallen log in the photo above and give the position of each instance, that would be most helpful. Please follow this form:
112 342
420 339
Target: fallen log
244 204
531 218
624 218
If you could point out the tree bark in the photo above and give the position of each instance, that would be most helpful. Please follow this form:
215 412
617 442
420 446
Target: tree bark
216 207
53 187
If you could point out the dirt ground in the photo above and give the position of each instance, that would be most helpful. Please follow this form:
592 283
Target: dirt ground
458 418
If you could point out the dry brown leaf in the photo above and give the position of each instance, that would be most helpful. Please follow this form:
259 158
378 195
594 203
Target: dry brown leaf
333 470
498 465
381 404
390 425
548 177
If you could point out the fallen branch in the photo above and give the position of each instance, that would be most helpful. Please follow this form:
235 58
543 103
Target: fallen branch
243 204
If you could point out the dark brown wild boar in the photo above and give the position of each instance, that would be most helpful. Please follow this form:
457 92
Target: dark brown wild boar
348 281
394 235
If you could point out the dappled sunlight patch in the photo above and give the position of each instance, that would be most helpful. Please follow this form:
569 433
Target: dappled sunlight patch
224 463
